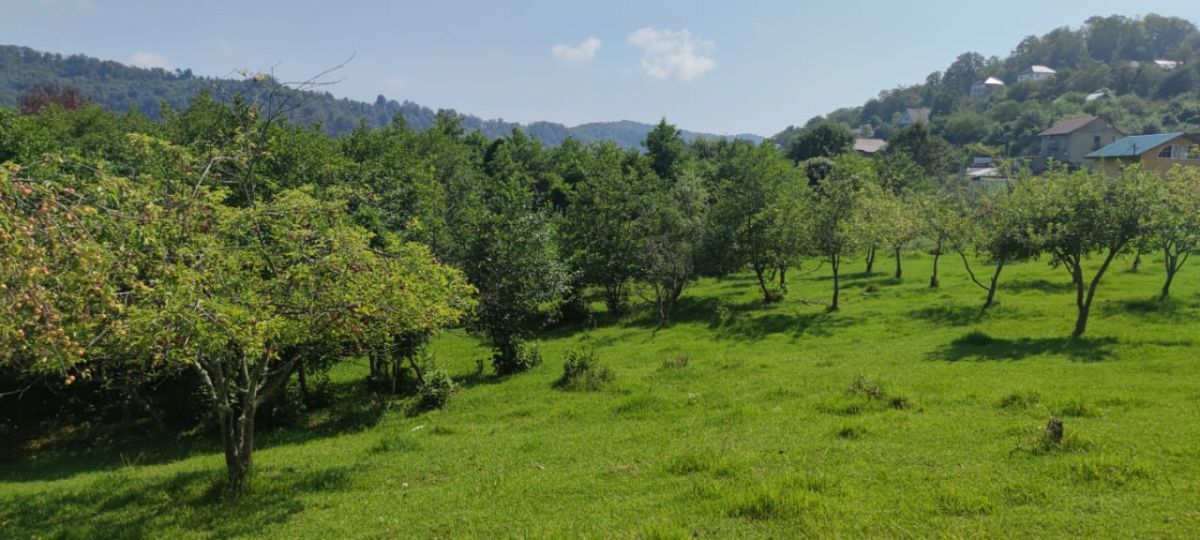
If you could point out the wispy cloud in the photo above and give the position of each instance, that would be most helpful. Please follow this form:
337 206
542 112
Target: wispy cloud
582 53
674 54
78 4
147 59
395 84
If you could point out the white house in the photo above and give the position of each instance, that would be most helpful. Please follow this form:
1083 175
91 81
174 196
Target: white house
1166 65
983 88
913 115
1036 73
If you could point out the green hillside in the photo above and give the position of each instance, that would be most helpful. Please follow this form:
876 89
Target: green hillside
1111 55
119 87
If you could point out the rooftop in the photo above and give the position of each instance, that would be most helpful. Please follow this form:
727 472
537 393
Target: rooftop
1040 69
1135 145
1068 126
869 146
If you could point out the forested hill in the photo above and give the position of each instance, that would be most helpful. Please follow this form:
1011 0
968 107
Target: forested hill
120 87
1107 67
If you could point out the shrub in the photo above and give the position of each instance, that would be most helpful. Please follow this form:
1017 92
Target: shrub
767 503
516 357
1115 472
436 390
582 371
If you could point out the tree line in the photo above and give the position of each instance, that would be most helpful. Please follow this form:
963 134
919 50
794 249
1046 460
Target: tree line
215 256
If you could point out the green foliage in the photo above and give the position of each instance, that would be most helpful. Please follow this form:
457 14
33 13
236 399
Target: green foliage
435 391
826 140
582 371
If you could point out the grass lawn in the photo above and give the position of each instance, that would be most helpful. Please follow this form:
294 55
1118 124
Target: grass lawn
907 414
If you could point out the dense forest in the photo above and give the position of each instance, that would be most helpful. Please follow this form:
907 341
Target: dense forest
119 87
1111 59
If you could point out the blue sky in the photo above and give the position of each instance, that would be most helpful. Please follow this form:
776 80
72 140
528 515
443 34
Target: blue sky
722 67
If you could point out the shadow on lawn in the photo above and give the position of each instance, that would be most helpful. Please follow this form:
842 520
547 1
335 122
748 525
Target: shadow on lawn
355 408
750 328
1040 285
980 346
118 505
1154 310
949 315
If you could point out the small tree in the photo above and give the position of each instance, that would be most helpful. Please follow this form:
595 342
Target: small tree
1176 222
676 228
508 253
1072 216
830 227
889 220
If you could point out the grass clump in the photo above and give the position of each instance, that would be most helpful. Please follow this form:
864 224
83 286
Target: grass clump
1078 408
958 503
677 361
767 503
582 371
1055 438
1019 400
1107 470
863 395
395 443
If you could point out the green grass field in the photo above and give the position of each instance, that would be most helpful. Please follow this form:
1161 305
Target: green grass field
904 415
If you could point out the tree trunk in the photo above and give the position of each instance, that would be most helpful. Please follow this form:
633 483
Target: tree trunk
302 379
991 295
783 268
834 262
1137 262
871 260
937 255
1172 262
614 299
237 436
760 271
1084 301
899 271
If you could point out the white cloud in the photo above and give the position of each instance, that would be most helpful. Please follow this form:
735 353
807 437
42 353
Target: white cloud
395 84
674 54
576 55
147 59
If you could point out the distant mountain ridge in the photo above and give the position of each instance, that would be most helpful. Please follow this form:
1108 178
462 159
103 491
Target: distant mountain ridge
120 87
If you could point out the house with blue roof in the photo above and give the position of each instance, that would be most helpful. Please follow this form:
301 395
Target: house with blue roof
1159 152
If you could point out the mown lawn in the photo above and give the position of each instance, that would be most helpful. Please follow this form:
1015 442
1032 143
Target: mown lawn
740 420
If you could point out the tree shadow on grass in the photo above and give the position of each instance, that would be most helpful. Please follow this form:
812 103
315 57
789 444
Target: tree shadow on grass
1040 285
355 408
1153 310
753 328
979 346
949 315
124 505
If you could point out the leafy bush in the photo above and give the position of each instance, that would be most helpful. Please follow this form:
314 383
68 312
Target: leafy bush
436 390
516 357
582 371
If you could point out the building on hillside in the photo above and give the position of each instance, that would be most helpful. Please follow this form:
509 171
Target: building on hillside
1036 73
986 87
1155 152
912 115
1166 65
1070 141
1099 95
869 147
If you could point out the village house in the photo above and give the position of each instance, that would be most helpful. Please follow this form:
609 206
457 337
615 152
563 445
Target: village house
1071 140
869 147
1158 152
1036 73
986 87
913 115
